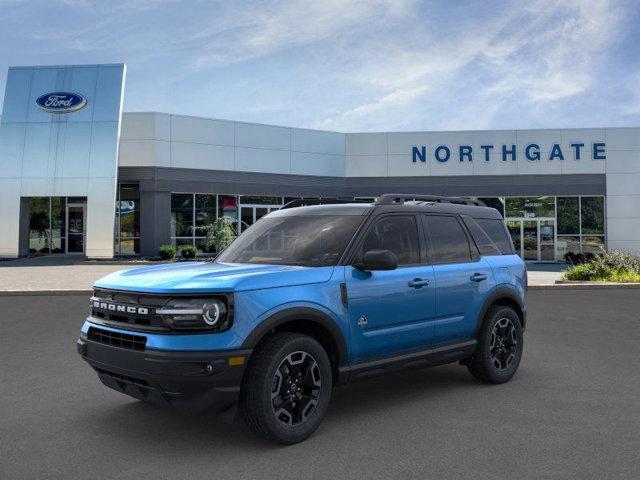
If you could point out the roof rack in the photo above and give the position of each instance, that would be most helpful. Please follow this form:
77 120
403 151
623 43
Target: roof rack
305 202
401 198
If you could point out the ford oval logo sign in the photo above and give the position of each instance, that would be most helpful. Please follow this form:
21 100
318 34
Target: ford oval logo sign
61 102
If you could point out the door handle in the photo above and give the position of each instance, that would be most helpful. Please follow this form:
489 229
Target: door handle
478 277
418 283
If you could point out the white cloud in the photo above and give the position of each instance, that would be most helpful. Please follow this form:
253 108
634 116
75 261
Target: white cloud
285 24
533 54
346 64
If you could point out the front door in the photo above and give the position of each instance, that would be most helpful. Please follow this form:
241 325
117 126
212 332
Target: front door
534 239
530 240
250 214
75 227
547 231
391 311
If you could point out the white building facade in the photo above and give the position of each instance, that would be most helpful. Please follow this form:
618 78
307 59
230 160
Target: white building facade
560 190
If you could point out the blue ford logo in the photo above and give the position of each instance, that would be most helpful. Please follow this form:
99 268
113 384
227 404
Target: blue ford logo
61 102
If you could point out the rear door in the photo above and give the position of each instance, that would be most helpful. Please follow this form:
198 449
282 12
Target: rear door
463 278
391 311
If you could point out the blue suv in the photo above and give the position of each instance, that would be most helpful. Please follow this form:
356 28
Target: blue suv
311 297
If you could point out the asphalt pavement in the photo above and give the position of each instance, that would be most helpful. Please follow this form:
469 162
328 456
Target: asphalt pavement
572 410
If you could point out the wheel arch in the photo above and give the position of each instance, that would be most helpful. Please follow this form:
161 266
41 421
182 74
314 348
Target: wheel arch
307 321
507 297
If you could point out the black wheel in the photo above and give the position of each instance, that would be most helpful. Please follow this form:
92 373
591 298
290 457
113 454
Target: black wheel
500 343
287 387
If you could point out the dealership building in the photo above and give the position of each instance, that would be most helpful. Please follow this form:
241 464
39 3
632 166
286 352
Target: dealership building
80 176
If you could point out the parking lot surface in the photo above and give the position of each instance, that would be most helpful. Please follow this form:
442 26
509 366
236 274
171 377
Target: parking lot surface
572 410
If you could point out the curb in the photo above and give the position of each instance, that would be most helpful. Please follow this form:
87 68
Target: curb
42 293
584 286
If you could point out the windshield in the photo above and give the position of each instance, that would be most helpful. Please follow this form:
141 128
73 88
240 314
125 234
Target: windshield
311 241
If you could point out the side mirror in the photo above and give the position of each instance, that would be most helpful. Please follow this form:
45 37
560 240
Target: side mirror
377 260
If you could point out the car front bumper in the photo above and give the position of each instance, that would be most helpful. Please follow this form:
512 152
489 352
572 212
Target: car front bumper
196 381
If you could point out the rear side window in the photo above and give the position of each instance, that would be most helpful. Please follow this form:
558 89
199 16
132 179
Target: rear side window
396 233
485 244
496 231
448 242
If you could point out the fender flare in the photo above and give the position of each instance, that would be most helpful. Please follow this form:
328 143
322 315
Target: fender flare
299 313
499 293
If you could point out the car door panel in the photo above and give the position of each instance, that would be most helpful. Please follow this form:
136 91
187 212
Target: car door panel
391 311
458 297
398 317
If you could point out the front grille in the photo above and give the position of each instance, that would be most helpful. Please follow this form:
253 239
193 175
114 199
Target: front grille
121 308
117 339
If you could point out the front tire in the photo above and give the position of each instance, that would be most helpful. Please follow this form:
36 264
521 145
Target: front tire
499 349
287 388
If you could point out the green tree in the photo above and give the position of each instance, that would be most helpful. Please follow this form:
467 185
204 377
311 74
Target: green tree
218 234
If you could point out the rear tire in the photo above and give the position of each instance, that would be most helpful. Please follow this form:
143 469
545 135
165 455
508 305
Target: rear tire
499 349
286 388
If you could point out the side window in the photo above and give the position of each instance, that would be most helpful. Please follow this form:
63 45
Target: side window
447 240
485 244
396 233
497 232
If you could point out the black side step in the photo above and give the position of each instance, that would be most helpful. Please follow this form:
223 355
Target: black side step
423 358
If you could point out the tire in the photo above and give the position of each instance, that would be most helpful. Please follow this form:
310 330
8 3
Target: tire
499 349
286 388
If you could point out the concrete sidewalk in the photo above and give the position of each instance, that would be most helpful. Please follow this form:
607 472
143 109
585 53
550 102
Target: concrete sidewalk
545 273
65 275
51 274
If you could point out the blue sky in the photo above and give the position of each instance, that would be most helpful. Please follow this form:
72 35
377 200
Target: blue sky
350 65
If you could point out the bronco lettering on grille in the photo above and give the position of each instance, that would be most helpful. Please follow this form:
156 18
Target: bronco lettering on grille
114 307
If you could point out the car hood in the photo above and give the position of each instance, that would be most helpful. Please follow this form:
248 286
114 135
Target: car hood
204 277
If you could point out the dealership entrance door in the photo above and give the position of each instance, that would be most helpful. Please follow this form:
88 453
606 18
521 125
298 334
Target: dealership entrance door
534 239
55 225
76 221
251 213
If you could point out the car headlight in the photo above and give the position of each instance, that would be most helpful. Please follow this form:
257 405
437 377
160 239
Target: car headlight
195 314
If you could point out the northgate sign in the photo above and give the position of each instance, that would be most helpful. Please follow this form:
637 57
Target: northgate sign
532 152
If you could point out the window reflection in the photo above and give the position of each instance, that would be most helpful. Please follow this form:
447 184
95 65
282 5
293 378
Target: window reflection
592 212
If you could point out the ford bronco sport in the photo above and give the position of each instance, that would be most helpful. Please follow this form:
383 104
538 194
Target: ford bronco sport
308 298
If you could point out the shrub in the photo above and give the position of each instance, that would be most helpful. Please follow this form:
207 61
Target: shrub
582 271
614 266
617 260
578 258
188 251
167 252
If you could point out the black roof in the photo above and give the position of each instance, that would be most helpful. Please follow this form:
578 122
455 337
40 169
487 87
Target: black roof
458 206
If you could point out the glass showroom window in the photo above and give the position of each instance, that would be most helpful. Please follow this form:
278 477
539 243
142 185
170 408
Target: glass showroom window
580 225
228 209
592 224
188 212
568 225
530 207
47 227
127 228
205 214
40 225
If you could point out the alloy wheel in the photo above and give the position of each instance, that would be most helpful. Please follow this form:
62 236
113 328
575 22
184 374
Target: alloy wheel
296 388
504 344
